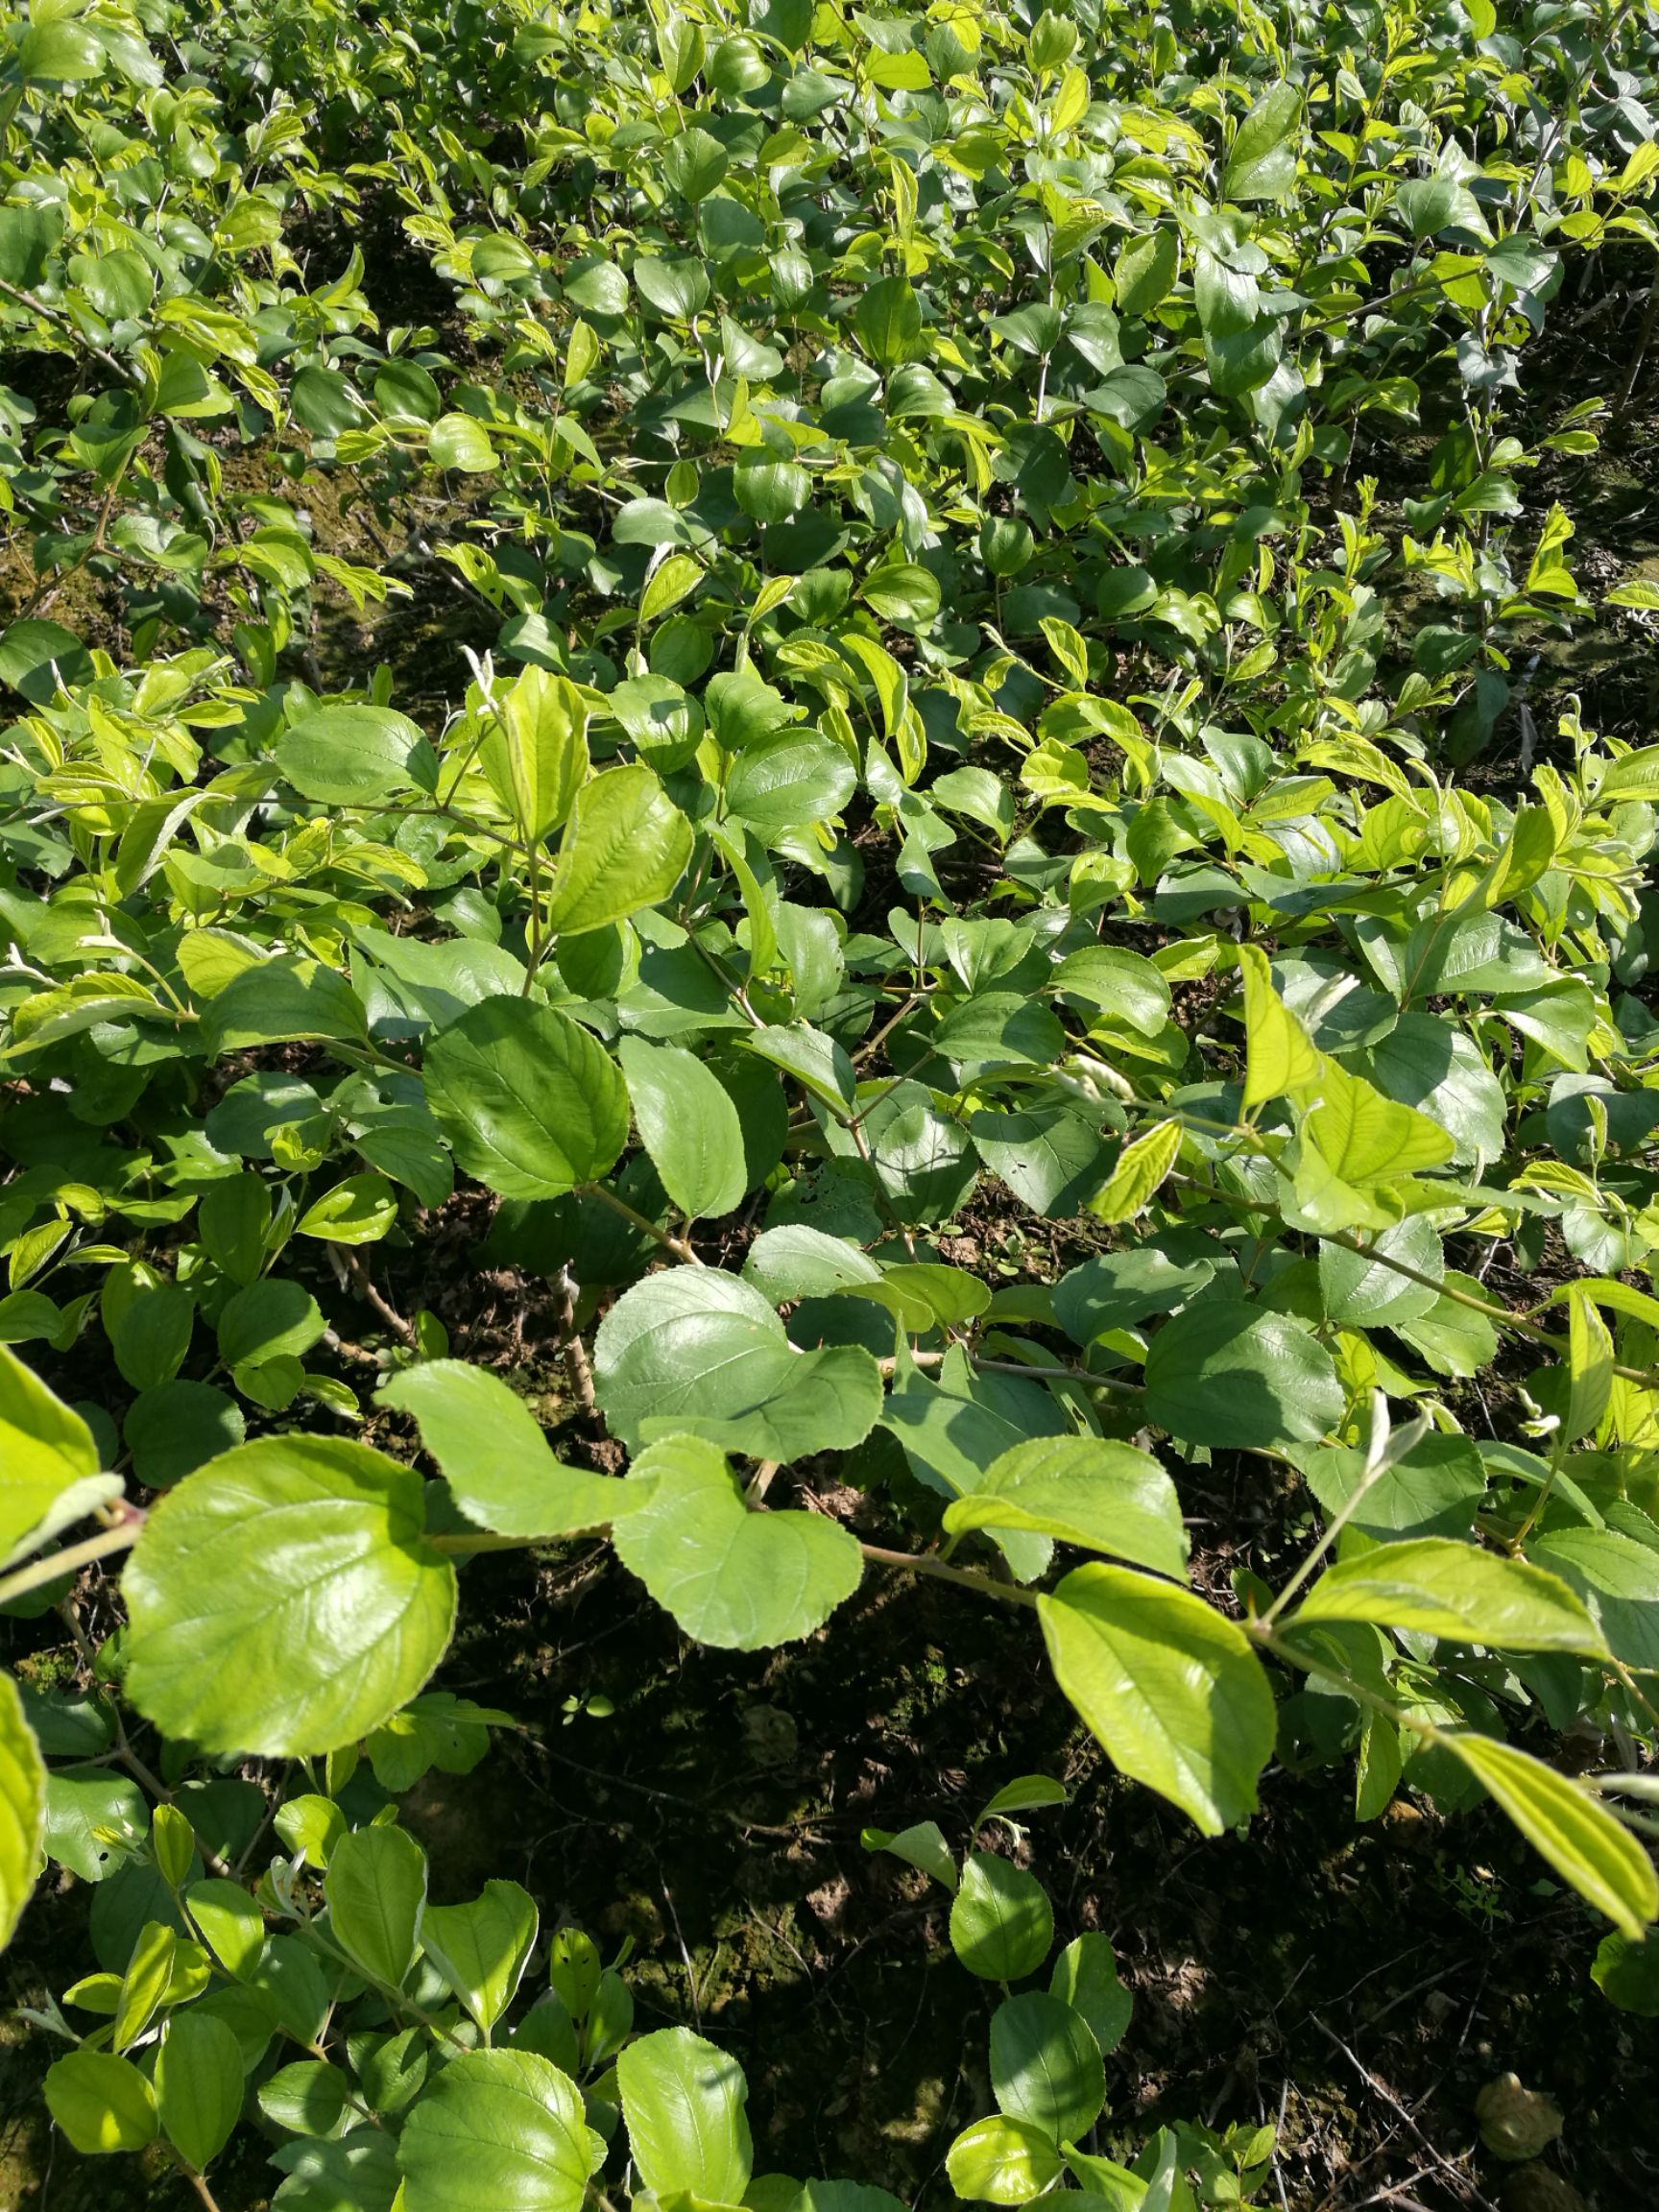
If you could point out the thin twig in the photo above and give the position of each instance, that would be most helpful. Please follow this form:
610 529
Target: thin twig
367 1288
1383 2090
674 1244
40 1571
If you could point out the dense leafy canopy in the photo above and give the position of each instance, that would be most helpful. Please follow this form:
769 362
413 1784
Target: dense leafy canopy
733 653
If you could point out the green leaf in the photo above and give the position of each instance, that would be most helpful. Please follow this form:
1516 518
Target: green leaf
358 1209
789 779
626 846
798 1261
1001 1922
1627 1974
198 2086
307 2097
1085 1490
1442 1587
1121 985
102 2103
692 165
888 320
269 1320
687 1124
682 2102
1362 1290
1085 1977
1049 1158
282 1001
532 1105
694 1349
922 1846
229 1923
1171 1689
1452 1337
355 756
1261 164
1225 1373
535 751
376 1888
1573 1830
1140 1171
1046 2065
738 1579
499 1465
1431 1490
60 51
22 1808
497 2131
1618 1579
45 1449
1367 1138
27 237
1145 271
1280 1055
483 1948
95 1820
305 1636
150 1331
458 441
1003 2161
1589 1366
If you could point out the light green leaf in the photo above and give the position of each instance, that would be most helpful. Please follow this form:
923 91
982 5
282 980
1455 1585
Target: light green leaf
689 1125
305 1636
1589 1365
1001 1922
22 1808
1140 1168
355 755
1365 1138
1170 1687
499 1467
483 1948
497 2131
682 2102
921 1845
198 2086
625 846
46 1449
1086 1490
458 441
740 1580
376 1888
788 780
1085 1977
694 1349
1003 2161
358 1209
1280 1054
229 1923
1439 1587
534 750
282 1001
102 2103
530 1102
1046 2065
1580 1839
